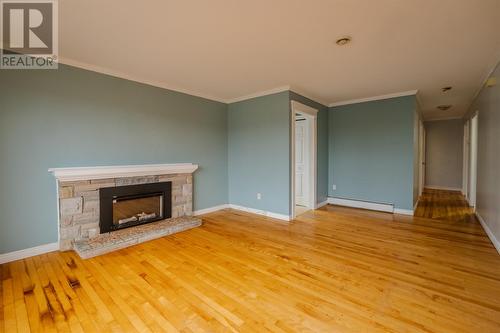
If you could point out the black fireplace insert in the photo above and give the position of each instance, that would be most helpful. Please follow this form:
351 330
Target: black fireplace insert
131 205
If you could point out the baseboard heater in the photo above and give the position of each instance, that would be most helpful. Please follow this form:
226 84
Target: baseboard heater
382 207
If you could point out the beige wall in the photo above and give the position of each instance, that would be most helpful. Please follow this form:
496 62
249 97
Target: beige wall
444 153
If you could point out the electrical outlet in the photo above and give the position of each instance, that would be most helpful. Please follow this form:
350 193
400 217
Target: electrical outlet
259 196
334 187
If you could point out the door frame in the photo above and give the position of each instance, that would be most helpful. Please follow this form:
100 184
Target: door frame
474 138
421 157
466 150
312 115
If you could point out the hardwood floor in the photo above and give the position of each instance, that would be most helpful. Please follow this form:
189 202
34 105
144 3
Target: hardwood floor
331 270
444 205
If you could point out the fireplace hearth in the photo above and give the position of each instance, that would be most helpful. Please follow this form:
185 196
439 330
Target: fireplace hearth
127 206
138 203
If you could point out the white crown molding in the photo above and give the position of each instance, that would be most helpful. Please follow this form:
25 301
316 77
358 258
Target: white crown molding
25 253
488 231
306 95
374 98
102 172
302 108
480 88
420 108
121 75
258 94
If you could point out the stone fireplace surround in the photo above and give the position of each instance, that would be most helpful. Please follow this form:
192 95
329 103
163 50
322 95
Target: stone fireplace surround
78 195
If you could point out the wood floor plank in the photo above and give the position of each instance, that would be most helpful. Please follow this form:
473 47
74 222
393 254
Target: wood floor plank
335 269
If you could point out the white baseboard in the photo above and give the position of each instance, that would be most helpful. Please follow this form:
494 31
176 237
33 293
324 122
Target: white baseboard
244 209
490 234
261 212
25 253
388 208
321 204
210 209
403 211
444 188
361 204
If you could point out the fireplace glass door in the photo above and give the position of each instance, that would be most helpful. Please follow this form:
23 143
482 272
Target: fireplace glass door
137 209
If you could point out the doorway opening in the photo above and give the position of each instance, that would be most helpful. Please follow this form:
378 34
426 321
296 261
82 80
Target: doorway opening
303 161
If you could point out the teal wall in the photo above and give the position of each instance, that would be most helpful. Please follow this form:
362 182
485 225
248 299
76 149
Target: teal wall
259 153
371 151
72 117
322 145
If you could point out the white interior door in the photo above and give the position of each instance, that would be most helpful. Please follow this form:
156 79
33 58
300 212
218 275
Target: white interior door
301 163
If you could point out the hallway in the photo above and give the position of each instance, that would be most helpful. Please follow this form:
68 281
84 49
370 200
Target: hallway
444 205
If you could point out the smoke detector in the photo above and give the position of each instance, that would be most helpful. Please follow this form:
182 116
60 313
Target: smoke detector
343 41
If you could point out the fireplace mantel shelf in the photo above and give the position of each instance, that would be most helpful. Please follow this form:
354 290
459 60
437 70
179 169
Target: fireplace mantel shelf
102 172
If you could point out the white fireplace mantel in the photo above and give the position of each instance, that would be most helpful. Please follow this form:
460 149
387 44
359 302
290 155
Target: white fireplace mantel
102 172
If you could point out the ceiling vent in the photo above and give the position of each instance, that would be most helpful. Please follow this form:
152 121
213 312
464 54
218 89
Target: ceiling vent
444 107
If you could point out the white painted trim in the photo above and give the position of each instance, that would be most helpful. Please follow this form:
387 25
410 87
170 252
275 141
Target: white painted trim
321 204
258 94
58 214
158 84
310 113
419 105
399 211
298 91
302 108
25 253
444 118
465 162
415 205
102 172
261 212
444 188
389 208
121 75
488 231
210 209
480 88
421 157
374 98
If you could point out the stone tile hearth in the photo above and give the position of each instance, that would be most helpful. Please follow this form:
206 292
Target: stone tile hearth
120 239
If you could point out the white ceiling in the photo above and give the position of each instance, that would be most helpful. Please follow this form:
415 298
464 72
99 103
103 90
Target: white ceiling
226 49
